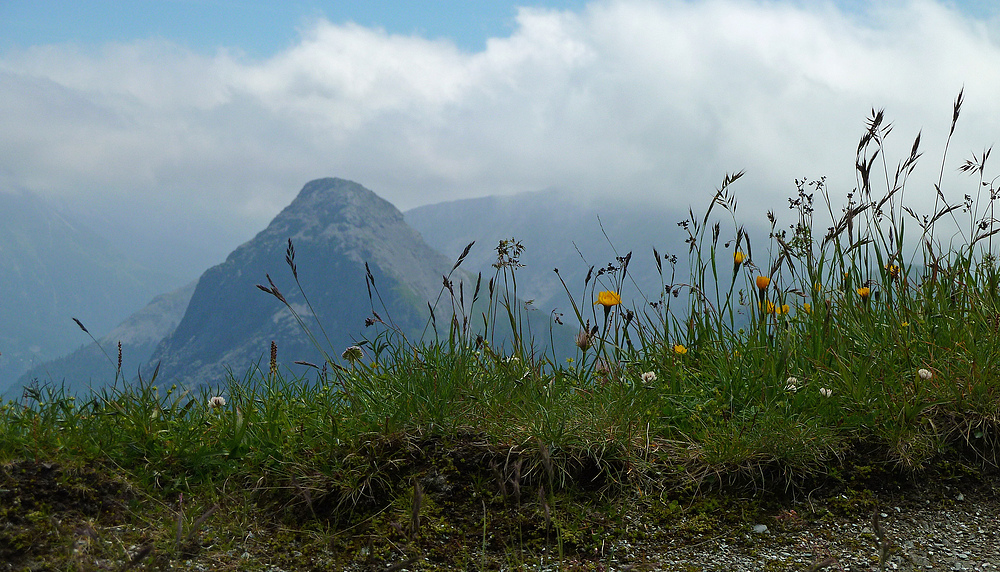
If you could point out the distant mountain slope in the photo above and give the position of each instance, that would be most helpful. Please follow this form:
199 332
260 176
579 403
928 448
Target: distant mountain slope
54 269
139 335
336 226
555 228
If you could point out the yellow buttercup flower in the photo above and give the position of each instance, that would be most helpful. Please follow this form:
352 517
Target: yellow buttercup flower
864 292
762 282
680 350
608 299
771 308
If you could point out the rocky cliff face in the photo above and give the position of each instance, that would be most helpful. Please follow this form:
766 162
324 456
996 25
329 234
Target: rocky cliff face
336 226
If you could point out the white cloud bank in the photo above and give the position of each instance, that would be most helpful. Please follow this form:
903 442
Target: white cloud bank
627 98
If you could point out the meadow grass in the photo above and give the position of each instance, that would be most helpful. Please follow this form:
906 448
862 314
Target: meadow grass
774 360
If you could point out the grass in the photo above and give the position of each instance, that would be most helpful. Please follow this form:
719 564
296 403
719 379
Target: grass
776 364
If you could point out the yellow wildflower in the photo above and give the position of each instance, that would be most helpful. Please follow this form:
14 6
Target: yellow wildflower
864 292
608 299
680 350
739 257
807 308
771 308
762 282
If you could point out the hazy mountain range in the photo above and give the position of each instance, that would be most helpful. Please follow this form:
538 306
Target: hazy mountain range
198 334
95 364
52 269
557 230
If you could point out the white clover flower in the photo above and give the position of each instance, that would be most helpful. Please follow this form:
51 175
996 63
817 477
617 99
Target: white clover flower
924 374
649 377
217 401
825 392
792 384
353 354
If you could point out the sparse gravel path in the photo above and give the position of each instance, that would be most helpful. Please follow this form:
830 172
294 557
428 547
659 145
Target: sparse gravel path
931 527
961 538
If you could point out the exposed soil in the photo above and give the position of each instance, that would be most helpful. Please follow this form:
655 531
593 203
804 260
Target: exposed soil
479 511
46 509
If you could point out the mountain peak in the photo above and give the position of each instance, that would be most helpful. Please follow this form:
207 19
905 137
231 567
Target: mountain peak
337 194
331 207
330 187
337 227
338 200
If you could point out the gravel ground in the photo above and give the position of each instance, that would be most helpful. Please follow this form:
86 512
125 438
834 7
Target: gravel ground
961 538
928 527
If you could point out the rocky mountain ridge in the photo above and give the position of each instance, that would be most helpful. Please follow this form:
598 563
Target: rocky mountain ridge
336 227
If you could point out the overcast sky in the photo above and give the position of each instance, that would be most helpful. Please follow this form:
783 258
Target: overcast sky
193 123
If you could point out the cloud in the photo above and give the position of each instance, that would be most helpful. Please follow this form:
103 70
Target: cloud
651 99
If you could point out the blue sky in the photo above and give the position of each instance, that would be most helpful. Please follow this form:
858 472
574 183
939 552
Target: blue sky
260 29
213 114
257 28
